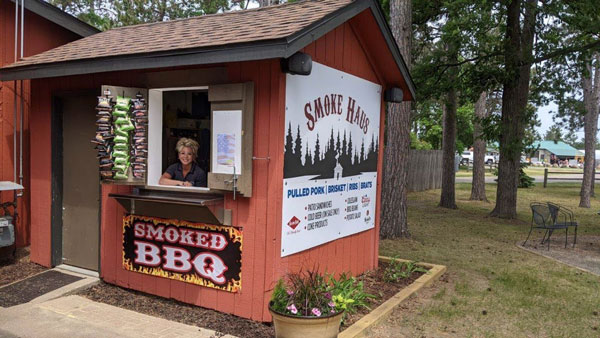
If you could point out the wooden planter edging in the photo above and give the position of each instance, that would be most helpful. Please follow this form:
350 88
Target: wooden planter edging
360 328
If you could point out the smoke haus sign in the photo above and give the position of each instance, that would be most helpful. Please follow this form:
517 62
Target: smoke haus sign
330 160
331 105
203 254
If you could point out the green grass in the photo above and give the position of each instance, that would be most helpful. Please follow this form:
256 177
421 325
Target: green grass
495 289
463 171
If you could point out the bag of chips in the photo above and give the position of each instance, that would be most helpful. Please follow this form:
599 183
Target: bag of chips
121 139
119 113
123 103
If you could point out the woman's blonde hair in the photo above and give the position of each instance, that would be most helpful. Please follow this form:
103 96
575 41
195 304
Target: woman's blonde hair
187 142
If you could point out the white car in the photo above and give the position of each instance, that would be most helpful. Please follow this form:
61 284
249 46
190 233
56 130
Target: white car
467 157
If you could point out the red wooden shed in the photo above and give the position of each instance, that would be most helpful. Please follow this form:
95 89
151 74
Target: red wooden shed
40 27
286 103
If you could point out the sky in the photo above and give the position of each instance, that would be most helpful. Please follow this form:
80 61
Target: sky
546 118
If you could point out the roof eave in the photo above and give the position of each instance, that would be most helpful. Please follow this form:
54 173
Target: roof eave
55 15
391 42
316 30
191 57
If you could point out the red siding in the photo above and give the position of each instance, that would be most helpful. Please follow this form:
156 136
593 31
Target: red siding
260 216
40 35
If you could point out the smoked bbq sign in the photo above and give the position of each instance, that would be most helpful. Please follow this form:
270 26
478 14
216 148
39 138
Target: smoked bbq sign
203 254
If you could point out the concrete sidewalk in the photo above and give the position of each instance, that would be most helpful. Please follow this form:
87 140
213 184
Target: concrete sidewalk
58 314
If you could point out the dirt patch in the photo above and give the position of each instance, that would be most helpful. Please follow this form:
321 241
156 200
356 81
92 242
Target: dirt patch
12 270
224 323
585 255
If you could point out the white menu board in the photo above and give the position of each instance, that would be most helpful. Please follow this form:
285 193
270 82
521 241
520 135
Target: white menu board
330 162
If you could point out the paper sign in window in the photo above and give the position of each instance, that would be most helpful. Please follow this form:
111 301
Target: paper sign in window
226 142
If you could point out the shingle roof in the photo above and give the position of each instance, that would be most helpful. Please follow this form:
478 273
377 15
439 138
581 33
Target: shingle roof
559 148
267 23
264 33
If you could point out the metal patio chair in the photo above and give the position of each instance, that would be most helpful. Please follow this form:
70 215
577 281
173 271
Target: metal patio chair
541 218
563 216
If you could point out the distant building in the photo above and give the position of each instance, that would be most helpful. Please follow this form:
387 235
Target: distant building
596 157
551 151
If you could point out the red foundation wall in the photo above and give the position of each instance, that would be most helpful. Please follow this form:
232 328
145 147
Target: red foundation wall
40 35
260 215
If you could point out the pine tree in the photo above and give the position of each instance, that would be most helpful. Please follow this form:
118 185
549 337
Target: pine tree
317 155
350 148
298 148
307 159
362 151
344 146
289 141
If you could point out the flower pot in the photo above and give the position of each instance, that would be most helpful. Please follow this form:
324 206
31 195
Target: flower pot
304 327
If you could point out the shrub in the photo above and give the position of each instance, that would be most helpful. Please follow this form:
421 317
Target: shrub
397 270
304 294
349 292
310 294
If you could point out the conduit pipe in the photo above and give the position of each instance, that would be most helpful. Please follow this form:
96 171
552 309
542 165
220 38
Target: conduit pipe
22 100
15 94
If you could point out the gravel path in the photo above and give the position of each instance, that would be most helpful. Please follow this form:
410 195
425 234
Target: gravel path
585 255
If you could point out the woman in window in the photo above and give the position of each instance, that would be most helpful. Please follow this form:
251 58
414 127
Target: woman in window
186 172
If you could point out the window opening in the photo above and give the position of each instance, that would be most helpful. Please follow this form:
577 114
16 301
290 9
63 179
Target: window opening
177 113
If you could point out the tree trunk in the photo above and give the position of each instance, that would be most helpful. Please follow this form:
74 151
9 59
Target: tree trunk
394 218
591 95
447 198
517 60
479 148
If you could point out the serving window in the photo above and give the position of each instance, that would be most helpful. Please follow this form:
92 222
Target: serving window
175 113
219 118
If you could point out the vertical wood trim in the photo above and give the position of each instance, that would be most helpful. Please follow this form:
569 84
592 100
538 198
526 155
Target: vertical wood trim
243 299
107 267
271 139
379 183
40 190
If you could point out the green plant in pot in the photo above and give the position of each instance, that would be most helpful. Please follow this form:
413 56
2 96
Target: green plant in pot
303 306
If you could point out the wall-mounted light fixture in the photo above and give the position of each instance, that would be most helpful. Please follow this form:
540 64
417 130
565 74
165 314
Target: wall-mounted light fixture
297 64
393 94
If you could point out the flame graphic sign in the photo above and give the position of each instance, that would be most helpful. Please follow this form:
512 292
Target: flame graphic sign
203 254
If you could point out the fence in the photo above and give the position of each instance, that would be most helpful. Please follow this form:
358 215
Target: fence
424 170
546 178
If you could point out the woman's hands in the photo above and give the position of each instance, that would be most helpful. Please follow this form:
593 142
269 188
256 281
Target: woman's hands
166 179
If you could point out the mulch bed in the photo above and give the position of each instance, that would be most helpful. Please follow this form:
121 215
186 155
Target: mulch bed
224 323
12 270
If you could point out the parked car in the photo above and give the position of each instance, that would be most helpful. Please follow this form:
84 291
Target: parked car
467 157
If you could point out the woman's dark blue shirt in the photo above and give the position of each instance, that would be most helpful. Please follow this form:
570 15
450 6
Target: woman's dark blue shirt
196 176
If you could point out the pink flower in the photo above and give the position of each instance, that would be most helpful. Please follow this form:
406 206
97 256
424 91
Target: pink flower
331 304
316 312
289 292
327 295
292 309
